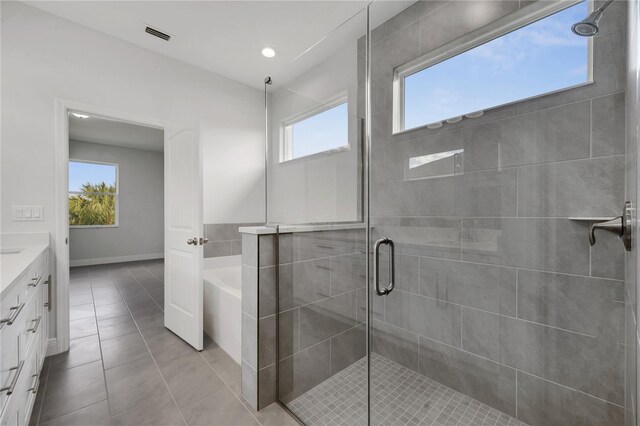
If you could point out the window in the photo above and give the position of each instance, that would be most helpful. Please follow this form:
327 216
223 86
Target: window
324 129
93 194
525 55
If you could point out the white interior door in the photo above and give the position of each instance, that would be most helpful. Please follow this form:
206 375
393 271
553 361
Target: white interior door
183 229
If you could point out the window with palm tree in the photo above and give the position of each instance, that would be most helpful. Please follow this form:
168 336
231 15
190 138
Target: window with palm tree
93 194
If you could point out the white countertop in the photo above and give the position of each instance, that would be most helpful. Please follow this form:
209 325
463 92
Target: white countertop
14 264
288 229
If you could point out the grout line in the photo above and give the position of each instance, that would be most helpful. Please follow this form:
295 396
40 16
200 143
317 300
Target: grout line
104 371
516 394
317 301
590 128
316 344
461 321
199 352
493 313
508 366
517 273
147 345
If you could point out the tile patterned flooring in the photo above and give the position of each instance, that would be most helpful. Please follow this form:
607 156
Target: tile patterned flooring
125 368
400 397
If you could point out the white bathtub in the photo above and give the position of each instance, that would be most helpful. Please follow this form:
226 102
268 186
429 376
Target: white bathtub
223 302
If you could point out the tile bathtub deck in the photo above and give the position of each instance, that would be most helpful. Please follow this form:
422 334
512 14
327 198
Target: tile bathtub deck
400 397
124 367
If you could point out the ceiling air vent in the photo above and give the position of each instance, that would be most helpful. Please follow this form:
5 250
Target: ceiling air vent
157 33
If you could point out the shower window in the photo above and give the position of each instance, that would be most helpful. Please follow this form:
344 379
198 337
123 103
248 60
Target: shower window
93 194
516 59
319 130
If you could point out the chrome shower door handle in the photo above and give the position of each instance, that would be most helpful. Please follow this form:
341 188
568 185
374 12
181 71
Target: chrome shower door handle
621 226
376 266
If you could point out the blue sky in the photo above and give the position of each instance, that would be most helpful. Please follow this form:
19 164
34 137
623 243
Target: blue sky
80 173
321 132
536 59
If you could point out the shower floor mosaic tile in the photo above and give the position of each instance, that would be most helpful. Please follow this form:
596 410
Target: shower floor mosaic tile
400 397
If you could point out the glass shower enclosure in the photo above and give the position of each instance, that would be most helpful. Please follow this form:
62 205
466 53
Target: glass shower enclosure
449 181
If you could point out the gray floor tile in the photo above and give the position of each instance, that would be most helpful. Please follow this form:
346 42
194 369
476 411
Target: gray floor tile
144 307
117 326
94 415
211 351
141 297
135 392
81 311
72 389
223 408
273 415
111 311
190 378
132 384
166 346
81 351
107 300
157 412
80 286
151 324
229 372
80 299
123 349
82 328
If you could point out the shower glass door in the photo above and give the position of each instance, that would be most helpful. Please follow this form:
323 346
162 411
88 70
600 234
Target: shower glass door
497 140
315 176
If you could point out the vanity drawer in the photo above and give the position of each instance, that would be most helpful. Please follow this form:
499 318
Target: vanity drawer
10 366
30 325
29 384
10 415
35 276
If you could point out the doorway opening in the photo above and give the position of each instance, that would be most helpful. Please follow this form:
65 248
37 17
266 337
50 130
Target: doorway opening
116 228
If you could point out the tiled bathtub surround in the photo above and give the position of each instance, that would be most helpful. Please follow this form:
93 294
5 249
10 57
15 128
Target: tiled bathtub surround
322 312
224 239
499 295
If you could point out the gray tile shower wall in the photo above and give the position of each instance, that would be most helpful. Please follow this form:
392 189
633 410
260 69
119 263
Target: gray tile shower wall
224 239
321 288
499 294
322 278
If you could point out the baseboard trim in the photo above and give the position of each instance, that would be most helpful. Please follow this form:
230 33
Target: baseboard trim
52 347
116 259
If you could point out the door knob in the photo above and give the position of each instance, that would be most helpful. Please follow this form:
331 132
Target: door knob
193 241
203 241
621 226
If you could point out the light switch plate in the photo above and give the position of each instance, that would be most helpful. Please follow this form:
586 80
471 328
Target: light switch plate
28 213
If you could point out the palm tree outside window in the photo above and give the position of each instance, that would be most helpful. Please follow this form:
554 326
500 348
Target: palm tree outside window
93 194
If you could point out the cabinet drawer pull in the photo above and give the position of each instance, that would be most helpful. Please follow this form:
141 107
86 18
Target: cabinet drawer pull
15 311
12 386
36 383
37 321
49 283
34 282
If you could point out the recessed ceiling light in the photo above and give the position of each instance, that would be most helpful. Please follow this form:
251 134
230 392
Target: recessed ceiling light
77 114
268 52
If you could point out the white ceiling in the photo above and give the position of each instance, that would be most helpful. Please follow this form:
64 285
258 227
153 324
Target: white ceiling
224 37
106 131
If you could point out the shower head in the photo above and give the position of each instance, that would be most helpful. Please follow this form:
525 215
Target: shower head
588 27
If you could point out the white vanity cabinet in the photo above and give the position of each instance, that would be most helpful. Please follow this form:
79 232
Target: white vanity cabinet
23 334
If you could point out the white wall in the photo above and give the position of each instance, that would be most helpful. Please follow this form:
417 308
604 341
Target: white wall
45 57
140 230
324 187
